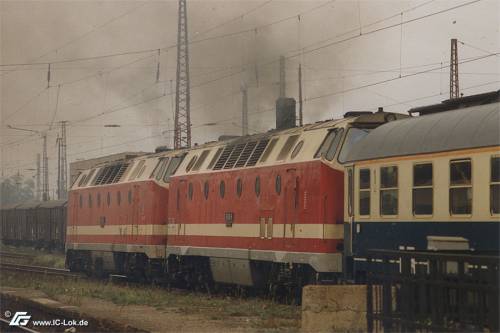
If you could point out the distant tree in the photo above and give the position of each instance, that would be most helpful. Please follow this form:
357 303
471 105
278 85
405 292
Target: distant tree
16 189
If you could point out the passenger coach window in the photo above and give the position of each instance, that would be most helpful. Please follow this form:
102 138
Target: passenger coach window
389 190
329 146
364 192
422 189
495 185
461 187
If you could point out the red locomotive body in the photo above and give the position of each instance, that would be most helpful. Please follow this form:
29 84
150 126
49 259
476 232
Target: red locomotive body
260 210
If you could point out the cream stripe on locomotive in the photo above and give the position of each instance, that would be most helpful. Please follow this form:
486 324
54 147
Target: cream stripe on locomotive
122 229
315 231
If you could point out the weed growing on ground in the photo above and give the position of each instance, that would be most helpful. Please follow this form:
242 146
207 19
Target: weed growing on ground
259 313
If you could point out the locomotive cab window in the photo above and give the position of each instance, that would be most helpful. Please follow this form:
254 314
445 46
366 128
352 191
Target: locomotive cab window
172 167
422 189
389 190
353 136
289 143
495 185
330 144
364 192
461 187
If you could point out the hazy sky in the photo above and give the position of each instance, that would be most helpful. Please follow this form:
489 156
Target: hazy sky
342 45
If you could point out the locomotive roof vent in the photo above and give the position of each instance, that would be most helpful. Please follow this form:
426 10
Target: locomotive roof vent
161 149
355 113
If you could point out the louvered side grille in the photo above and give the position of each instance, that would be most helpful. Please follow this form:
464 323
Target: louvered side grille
120 173
99 177
257 152
234 156
245 154
223 157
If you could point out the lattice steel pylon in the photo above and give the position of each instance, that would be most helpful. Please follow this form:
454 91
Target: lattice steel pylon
454 87
182 129
62 170
45 169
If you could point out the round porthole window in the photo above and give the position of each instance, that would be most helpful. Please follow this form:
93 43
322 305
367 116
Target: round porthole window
205 190
257 186
190 191
239 187
222 189
278 184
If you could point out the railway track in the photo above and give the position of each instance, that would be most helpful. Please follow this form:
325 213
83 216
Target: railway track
47 271
15 255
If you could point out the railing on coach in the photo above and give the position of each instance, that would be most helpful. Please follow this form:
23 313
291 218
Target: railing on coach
432 292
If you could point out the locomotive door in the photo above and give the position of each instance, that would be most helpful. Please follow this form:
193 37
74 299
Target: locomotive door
74 215
291 206
266 224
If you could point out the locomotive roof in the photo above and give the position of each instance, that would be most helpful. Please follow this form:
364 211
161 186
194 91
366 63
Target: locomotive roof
472 127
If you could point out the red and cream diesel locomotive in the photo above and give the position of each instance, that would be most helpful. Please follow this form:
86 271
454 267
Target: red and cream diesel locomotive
259 210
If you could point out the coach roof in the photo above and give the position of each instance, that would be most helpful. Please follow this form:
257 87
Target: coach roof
472 127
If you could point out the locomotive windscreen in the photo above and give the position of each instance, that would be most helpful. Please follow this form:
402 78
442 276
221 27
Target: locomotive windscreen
353 136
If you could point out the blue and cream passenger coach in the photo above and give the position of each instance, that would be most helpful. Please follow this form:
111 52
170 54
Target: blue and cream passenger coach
430 182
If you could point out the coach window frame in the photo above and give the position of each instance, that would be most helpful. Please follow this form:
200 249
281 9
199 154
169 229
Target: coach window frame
350 191
119 197
494 183
365 190
129 197
416 188
98 199
109 199
81 201
90 200
388 189
458 186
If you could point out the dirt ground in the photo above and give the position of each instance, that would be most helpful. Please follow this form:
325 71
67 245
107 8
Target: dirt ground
170 319
159 310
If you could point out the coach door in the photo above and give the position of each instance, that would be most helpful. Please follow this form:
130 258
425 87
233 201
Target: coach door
291 205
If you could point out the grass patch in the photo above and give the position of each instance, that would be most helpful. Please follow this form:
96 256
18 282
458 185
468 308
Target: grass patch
260 313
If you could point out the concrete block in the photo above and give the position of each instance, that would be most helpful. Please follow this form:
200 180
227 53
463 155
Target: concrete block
338 308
